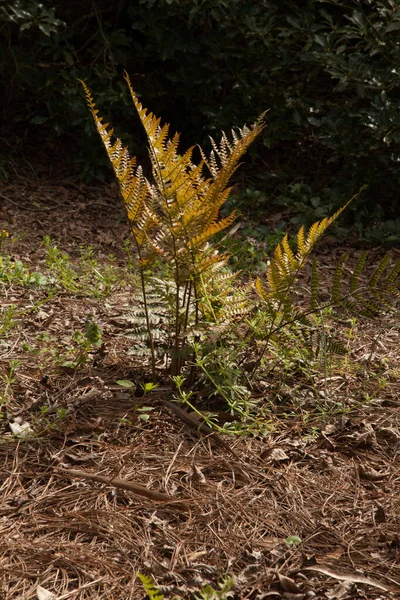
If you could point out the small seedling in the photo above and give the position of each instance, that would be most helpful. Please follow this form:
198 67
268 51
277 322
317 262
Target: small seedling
146 388
293 540
87 341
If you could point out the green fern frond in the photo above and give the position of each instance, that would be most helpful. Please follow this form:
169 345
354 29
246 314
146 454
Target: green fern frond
150 587
368 298
393 277
358 269
321 343
333 345
380 269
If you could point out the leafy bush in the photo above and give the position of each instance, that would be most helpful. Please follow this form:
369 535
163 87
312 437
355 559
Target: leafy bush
326 69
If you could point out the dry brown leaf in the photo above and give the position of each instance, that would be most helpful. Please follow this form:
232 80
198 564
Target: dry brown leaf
371 474
288 585
341 590
333 555
275 455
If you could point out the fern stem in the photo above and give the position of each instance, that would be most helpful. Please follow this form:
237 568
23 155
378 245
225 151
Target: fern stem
196 304
146 312
175 362
185 293
187 299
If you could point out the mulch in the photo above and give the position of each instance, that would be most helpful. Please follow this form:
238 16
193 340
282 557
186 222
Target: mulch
310 509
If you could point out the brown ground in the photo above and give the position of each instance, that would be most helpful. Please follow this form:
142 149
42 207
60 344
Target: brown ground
331 479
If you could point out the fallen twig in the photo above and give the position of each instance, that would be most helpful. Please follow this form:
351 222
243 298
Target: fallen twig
121 484
352 578
198 426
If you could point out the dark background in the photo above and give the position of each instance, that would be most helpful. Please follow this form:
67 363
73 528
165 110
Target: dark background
328 71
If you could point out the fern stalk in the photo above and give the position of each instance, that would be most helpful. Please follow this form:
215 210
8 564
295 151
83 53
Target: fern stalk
148 325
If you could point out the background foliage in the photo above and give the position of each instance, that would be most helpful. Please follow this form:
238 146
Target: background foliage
327 69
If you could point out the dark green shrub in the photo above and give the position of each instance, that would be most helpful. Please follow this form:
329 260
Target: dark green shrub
328 70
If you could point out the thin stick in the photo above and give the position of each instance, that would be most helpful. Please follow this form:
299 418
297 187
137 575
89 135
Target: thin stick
137 489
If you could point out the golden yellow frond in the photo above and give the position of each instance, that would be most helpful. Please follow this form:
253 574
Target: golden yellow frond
289 256
134 187
261 291
211 230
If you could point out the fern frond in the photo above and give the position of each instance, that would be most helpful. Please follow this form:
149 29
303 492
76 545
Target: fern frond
205 261
150 587
392 278
212 229
220 298
336 346
367 298
224 158
301 243
355 278
261 290
380 269
289 262
285 266
134 187
318 229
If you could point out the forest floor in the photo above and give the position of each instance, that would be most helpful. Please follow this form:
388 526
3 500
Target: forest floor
311 509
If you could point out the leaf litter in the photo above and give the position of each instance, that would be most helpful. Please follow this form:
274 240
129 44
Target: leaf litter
90 494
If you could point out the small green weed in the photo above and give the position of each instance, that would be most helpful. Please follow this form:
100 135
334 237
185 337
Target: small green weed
7 318
73 353
146 389
60 266
87 277
14 272
48 420
84 341
6 382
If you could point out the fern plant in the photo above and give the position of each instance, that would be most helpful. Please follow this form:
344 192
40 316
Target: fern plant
174 216
276 294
